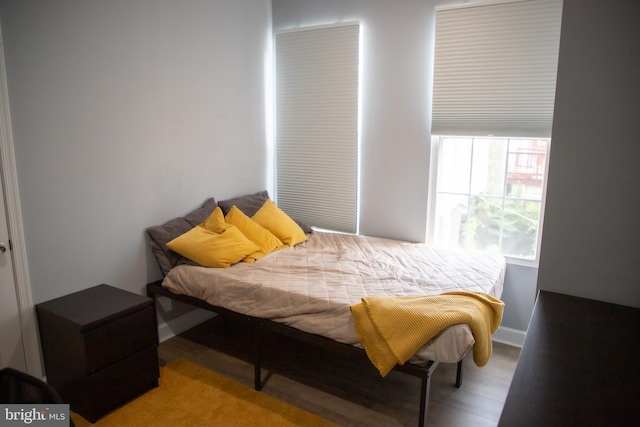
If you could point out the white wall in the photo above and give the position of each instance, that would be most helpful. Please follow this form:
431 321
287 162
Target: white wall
127 114
590 240
397 65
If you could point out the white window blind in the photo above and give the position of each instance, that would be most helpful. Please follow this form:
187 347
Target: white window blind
317 125
495 68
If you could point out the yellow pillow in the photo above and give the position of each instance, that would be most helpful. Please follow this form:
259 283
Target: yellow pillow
259 235
279 223
211 249
215 221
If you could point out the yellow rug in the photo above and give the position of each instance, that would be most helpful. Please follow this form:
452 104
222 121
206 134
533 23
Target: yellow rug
190 395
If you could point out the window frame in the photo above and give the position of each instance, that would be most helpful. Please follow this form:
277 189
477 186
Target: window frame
472 97
433 186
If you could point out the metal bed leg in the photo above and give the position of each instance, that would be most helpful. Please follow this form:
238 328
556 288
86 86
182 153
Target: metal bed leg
424 399
459 374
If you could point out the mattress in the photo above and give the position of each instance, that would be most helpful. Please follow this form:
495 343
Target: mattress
311 286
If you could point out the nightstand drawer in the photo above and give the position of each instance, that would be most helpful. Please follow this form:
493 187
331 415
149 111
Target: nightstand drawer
119 339
115 385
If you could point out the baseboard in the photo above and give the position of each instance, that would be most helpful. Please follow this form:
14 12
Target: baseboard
509 336
180 324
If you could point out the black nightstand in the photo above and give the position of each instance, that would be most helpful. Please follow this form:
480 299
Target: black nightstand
99 347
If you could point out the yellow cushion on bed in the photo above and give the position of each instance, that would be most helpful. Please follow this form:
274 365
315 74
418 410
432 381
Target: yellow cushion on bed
259 235
211 249
280 224
215 222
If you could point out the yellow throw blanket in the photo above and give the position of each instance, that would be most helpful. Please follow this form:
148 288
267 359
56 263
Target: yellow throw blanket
392 329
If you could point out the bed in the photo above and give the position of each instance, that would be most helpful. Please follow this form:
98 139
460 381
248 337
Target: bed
307 290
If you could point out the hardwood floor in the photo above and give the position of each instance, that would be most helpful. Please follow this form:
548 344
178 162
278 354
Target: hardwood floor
348 392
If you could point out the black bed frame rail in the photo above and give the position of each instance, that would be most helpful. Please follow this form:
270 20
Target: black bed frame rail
258 325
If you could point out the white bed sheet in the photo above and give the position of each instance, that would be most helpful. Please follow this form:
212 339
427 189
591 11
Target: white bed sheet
312 285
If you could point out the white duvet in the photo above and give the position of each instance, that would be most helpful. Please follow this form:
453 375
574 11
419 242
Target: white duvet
311 286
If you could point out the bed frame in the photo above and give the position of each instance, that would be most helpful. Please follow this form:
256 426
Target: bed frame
258 325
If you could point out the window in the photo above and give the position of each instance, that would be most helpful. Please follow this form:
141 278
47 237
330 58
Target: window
316 143
489 194
493 95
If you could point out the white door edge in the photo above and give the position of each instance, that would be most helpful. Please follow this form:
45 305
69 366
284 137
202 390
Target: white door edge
26 310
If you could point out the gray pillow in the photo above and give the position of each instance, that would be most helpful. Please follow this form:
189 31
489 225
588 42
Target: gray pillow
251 203
162 234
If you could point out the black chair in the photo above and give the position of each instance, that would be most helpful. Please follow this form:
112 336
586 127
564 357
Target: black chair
19 387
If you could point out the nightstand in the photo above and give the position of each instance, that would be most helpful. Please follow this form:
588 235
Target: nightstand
99 347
